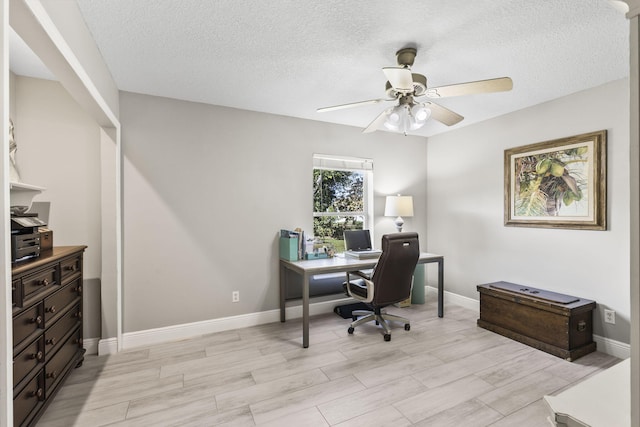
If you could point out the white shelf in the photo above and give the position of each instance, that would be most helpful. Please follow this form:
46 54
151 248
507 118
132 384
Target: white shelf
21 186
22 194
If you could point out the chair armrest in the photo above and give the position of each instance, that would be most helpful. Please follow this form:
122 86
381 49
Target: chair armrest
367 282
362 274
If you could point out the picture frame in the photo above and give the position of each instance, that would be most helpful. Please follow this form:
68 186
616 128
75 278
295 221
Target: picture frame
560 183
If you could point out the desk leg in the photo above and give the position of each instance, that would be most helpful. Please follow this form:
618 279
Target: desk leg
283 284
441 288
305 310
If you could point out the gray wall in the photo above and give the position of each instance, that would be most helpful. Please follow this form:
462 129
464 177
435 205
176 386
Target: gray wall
59 148
206 189
465 207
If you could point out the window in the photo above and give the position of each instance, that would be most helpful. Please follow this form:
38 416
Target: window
342 197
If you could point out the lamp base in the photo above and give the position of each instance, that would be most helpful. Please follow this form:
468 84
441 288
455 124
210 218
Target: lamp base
399 223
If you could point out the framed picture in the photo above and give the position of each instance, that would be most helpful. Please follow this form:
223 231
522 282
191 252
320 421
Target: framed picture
557 184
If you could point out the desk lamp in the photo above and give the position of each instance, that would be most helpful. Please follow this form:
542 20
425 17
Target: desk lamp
399 206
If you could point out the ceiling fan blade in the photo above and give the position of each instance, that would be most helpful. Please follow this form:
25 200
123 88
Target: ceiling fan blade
350 105
400 78
501 84
376 123
443 115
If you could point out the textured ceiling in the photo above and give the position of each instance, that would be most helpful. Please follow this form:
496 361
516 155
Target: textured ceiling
290 57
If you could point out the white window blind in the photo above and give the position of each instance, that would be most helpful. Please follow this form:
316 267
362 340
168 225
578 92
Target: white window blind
324 161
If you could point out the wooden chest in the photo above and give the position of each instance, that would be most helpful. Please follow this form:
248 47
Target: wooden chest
558 324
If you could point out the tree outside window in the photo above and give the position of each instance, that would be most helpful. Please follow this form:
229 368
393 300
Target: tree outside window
338 204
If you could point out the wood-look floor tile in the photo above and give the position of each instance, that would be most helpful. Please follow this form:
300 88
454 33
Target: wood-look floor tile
433 401
340 410
60 415
514 369
278 407
221 382
470 413
171 399
535 414
384 416
294 366
471 346
444 371
310 417
448 372
215 364
263 391
370 360
515 395
197 412
391 368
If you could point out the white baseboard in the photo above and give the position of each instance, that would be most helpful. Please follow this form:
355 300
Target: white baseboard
612 347
90 345
190 330
107 346
451 298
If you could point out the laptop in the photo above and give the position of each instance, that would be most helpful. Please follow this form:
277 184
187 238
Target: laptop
358 244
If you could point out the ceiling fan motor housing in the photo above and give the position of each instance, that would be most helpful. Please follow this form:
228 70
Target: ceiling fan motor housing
419 86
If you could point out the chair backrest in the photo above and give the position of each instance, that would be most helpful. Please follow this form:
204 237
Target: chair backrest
393 273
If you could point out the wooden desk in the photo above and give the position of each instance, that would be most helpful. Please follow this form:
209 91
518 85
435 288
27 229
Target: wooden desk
341 264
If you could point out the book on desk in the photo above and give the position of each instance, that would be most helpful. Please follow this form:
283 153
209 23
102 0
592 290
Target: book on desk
367 254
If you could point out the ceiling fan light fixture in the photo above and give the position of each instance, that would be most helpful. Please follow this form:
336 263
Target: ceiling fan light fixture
395 117
405 117
420 113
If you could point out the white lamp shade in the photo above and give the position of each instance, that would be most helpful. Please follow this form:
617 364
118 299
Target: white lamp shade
398 206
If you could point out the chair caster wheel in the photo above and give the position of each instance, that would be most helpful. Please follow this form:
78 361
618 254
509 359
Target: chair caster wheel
387 337
350 330
407 327
377 323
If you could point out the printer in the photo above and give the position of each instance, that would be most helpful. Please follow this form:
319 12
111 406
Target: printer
25 234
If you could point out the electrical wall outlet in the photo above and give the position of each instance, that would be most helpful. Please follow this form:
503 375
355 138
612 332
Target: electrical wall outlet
235 296
609 316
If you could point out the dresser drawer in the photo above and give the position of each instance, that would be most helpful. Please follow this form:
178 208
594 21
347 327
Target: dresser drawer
70 266
26 401
26 323
30 358
56 303
38 282
59 364
54 336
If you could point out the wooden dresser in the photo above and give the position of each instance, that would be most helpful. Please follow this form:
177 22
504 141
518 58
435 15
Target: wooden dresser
47 328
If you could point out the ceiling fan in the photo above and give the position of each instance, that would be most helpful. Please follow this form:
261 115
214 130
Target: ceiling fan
404 87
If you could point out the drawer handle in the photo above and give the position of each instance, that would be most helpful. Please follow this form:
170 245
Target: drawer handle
38 356
78 315
582 325
36 320
53 375
78 341
51 341
78 289
44 282
38 393
51 309
70 268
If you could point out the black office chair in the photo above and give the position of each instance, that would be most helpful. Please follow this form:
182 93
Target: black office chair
389 283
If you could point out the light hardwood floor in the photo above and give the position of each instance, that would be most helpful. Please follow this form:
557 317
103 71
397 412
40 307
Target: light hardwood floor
443 372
